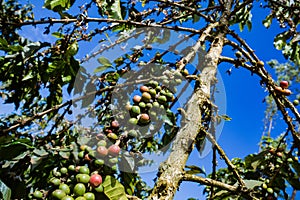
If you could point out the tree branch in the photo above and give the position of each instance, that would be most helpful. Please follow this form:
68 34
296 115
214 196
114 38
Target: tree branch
281 101
209 182
195 11
100 20
224 156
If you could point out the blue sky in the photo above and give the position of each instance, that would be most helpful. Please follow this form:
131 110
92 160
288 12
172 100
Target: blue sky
244 94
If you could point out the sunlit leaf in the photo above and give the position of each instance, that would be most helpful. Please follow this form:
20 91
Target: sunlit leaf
113 189
104 61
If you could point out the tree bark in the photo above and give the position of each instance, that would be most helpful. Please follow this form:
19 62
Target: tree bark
171 171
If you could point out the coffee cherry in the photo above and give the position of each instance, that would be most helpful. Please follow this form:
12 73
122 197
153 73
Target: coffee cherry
296 102
137 99
133 121
153 84
146 97
38 194
284 84
58 194
128 107
95 180
115 124
264 186
144 88
82 178
71 168
84 170
64 187
89 196
142 105
114 150
80 198
260 63
152 92
101 143
99 162
149 105
156 104
55 181
136 110
279 154
81 154
102 151
270 190
162 99
63 170
285 92
67 198
132 133
144 118
113 160
88 149
79 189
158 88
112 136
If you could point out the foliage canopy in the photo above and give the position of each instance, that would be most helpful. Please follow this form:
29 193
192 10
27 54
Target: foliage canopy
149 86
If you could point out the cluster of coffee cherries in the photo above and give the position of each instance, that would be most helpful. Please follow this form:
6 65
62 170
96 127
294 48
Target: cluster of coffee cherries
283 89
146 107
84 179
104 149
72 182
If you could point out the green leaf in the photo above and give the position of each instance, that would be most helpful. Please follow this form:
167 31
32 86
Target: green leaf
104 61
5 191
195 170
3 42
58 35
88 100
14 148
58 5
241 26
101 68
127 161
113 189
67 79
252 183
226 117
115 10
28 76
280 40
249 25
196 18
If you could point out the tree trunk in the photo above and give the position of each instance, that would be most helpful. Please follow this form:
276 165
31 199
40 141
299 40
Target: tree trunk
171 171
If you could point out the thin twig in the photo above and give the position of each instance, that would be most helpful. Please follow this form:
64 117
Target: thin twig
210 182
195 11
99 20
224 156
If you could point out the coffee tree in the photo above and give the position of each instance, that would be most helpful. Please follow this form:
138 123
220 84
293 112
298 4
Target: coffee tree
109 82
